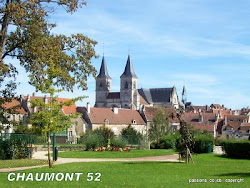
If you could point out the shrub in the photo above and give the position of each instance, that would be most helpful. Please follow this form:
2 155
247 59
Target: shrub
94 141
236 148
203 144
14 149
167 142
119 142
131 135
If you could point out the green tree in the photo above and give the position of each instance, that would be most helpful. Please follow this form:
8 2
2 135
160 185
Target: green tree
62 61
159 126
131 135
50 117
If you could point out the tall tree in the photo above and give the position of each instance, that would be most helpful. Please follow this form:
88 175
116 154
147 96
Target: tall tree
159 126
50 116
49 59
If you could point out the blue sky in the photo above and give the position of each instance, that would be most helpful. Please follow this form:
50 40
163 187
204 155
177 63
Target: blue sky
204 44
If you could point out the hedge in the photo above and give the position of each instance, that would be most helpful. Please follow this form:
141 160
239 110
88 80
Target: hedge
236 148
167 142
203 144
14 149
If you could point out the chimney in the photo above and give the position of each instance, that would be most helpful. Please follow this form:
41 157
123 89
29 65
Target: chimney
216 118
33 94
219 113
21 99
115 109
45 99
200 116
88 107
225 121
207 108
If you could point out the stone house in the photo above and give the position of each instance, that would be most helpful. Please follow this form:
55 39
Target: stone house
114 118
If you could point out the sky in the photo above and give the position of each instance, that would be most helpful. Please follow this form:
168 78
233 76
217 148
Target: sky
202 44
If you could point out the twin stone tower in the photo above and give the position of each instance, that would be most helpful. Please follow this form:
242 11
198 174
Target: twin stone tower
129 96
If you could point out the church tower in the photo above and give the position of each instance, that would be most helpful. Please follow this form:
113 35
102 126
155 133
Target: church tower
103 85
129 96
184 95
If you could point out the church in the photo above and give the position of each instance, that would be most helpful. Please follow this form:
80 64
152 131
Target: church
130 96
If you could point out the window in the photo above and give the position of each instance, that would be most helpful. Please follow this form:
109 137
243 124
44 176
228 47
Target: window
19 117
14 117
70 133
106 121
126 85
134 84
133 121
231 120
101 84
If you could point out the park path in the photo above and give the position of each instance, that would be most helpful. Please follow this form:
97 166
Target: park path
41 155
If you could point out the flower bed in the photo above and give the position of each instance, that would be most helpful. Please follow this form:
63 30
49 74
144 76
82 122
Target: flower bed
111 148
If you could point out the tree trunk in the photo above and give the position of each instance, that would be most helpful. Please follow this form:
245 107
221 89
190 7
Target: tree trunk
49 160
4 30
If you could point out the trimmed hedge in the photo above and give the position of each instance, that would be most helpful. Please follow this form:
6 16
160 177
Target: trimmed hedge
203 144
239 149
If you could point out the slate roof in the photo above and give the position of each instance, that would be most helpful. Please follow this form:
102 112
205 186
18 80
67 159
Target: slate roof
103 70
129 71
155 95
113 95
124 116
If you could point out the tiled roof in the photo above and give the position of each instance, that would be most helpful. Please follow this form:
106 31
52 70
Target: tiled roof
217 106
236 120
193 118
209 128
113 95
124 116
66 109
14 104
193 108
142 101
150 112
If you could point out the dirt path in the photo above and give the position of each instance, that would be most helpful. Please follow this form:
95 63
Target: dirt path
41 155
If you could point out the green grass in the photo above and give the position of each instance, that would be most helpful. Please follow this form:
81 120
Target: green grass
147 174
21 163
115 154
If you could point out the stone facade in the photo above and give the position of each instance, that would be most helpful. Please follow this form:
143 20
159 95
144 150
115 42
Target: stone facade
130 96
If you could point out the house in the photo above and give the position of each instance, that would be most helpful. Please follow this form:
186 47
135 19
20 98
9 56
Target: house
148 113
17 114
232 125
114 118
203 121
25 110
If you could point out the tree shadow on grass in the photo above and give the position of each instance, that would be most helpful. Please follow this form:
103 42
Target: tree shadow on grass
247 174
151 162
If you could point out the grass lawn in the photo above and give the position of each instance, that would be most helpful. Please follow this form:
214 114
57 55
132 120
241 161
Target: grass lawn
147 174
115 154
21 163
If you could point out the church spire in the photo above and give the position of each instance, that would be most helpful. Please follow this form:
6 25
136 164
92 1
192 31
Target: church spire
129 71
184 91
103 70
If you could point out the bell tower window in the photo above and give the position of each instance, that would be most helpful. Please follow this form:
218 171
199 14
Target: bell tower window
126 85
101 85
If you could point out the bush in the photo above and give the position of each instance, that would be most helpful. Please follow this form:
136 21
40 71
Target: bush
131 135
203 144
94 141
119 142
14 149
236 148
167 142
